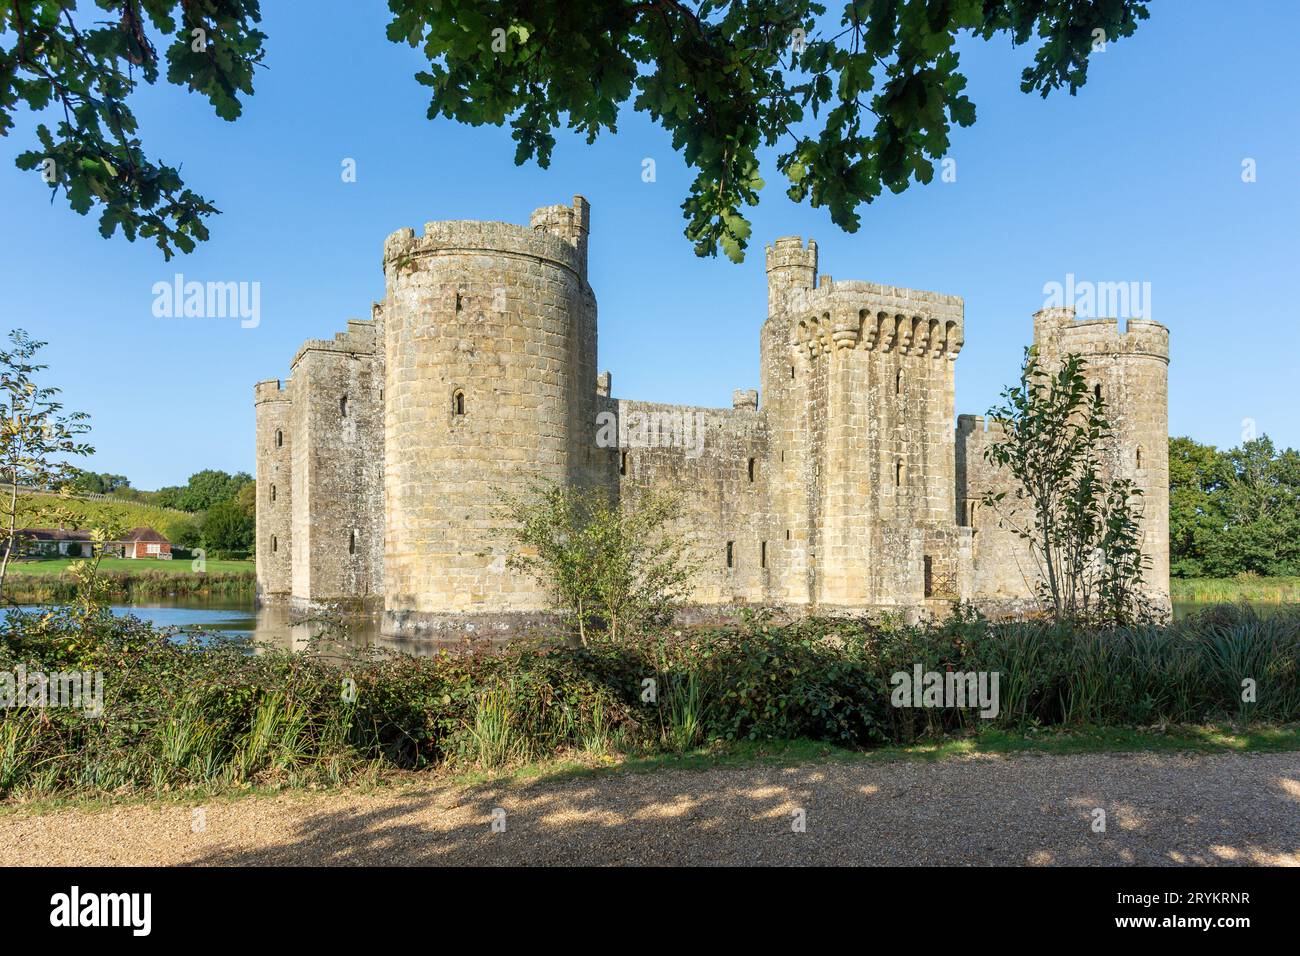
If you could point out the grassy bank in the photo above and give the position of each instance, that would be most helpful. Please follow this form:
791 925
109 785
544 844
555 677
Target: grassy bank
175 717
47 580
1247 587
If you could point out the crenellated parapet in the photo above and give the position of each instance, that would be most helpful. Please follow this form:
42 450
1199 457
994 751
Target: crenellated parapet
553 237
1058 332
270 390
865 315
791 268
359 339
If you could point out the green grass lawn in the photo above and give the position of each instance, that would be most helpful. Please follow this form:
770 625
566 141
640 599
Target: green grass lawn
1218 738
1241 588
177 566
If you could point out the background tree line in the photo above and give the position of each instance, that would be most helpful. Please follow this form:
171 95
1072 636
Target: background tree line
222 505
1233 512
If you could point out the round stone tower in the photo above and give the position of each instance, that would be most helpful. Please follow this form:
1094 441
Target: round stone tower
1130 370
490 337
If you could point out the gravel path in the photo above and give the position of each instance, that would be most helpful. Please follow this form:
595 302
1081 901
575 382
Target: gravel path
1027 809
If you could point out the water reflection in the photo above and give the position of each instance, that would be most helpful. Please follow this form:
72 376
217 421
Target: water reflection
274 626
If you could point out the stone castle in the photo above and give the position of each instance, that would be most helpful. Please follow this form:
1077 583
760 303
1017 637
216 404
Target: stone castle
846 489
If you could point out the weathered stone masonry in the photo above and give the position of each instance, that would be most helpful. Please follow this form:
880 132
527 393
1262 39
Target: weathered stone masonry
846 489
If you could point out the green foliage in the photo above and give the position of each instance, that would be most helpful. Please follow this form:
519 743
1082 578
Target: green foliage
203 490
1233 512
861 101
36 435
208 714
860 105
610 567
86 70
231 525
94 483
1081 528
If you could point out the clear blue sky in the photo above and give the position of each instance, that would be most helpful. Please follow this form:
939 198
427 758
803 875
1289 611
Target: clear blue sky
1136 178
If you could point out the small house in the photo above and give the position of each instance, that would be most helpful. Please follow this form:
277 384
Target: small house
145 542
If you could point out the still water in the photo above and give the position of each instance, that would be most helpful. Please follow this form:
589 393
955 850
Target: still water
237 619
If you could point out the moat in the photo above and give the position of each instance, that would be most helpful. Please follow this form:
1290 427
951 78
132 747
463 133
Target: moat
273 627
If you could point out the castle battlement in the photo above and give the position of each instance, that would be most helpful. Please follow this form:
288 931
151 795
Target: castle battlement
359 339
1058 330
839 317
846 488
270 390
556 237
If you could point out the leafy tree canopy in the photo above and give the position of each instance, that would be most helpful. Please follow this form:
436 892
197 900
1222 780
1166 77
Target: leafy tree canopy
230 525
82 63
1233 512
93 482
857 101
204 489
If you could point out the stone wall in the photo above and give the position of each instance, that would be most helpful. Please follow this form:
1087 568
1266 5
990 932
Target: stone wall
715 462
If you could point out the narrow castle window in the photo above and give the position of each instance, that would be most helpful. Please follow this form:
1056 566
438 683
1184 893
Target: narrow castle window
929 576
343 407
273 492
762 554
275 545
898 473
352 542
622 463
458 302
731 547
1139 458
751 469
792 373
1096 392
787 534
458 402
898 383
279 438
